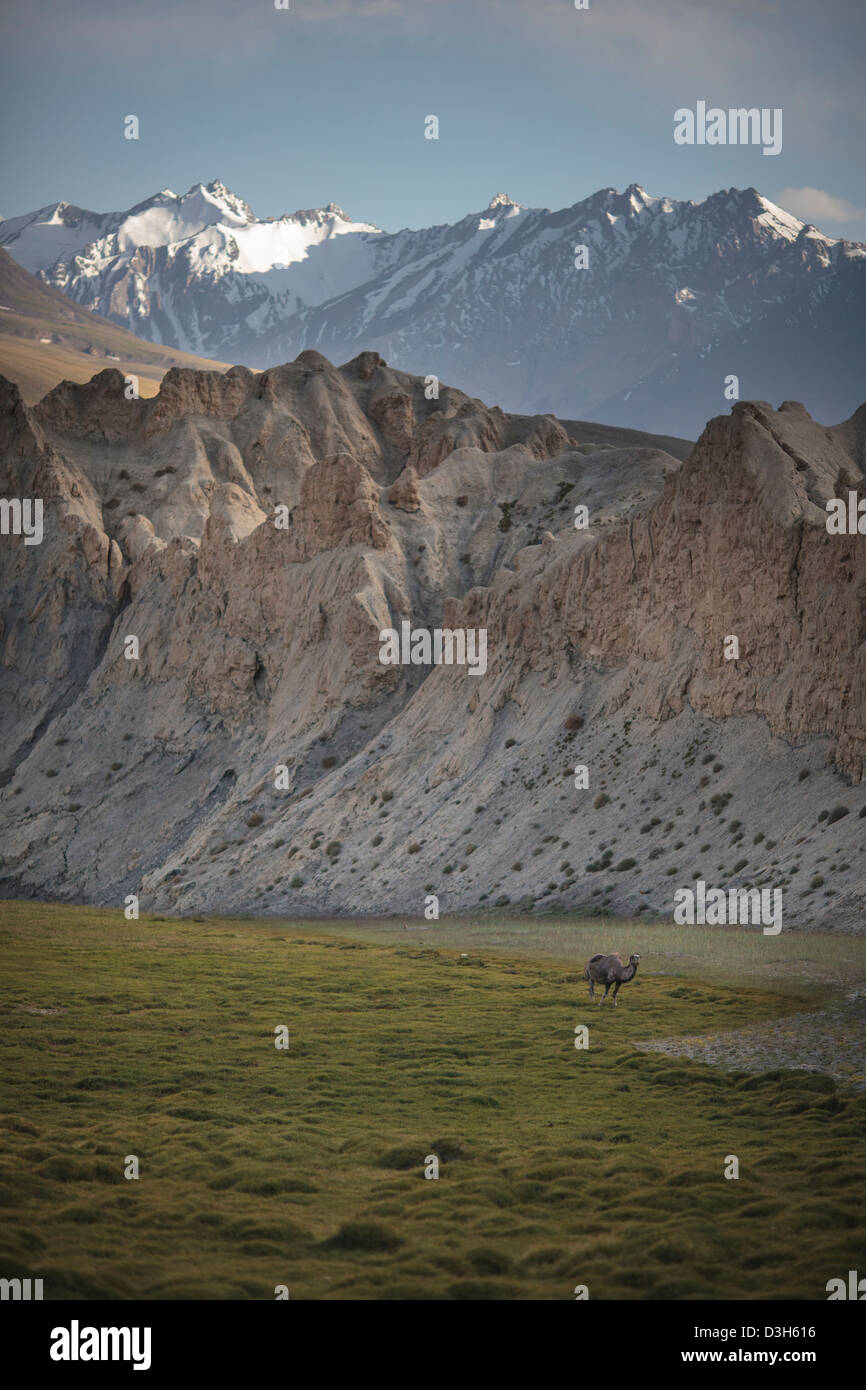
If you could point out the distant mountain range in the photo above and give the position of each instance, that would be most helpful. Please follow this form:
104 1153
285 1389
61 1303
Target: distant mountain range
675 297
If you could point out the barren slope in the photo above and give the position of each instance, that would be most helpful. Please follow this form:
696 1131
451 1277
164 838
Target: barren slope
260 647
45 338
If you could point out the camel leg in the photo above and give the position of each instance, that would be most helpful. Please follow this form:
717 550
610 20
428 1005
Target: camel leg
591 989
604 996
615 992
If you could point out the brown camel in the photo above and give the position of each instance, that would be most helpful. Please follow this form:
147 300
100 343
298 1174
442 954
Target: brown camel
609 970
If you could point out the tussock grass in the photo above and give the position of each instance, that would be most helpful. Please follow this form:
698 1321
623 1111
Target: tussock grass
557 1166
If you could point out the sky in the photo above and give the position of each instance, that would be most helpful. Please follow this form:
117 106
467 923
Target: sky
326 101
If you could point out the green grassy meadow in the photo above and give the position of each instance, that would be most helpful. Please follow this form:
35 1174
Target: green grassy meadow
602 1167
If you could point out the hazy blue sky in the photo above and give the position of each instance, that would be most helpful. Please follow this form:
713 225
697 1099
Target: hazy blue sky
327 101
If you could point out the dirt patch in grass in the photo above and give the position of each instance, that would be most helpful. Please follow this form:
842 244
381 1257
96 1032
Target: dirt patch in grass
830 1042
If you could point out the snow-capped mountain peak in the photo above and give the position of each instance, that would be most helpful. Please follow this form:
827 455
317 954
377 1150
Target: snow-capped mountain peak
783 223
331 214
231 207
169 218
502 200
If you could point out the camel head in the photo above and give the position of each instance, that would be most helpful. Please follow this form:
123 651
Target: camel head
634 959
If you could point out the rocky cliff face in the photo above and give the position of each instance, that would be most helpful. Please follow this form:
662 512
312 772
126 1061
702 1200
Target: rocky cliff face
256 534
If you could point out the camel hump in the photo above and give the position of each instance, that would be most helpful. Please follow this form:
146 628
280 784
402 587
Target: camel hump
593 963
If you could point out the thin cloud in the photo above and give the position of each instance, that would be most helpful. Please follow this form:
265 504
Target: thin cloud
646 43
815 206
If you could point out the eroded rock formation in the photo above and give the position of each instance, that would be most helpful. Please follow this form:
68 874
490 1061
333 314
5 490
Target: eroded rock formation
256 533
